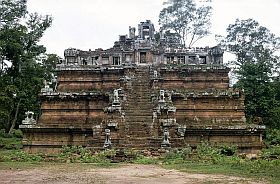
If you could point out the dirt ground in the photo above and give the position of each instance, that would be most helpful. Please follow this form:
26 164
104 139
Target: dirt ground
124 174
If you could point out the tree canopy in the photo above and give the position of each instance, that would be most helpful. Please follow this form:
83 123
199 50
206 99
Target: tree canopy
185 18
256 67
21 72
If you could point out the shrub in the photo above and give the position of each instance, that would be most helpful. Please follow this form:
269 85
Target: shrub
82 154
145 160
228 150
186 152
18 133
273 137
4 134
21 156
206 151
273 152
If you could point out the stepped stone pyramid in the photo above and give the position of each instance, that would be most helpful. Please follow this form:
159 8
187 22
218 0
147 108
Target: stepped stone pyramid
144 94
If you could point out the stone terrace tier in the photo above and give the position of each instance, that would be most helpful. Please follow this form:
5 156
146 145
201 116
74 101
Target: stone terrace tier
146 92
137 104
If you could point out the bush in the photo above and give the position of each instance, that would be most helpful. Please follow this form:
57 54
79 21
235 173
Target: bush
21 156
228 150
186 152
206 151
273 152
145 160
84 155
273 137
4 134
177 156
18 133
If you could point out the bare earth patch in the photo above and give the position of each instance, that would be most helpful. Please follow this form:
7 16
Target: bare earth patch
125 174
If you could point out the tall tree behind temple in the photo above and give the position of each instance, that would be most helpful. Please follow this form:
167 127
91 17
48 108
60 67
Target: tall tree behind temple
186 19
21 75
256 67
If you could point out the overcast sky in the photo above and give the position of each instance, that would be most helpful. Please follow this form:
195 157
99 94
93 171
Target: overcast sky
91 24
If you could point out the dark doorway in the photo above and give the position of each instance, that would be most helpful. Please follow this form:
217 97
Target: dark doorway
143 57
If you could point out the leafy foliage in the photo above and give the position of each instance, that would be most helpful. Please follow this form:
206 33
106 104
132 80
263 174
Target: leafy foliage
186 19
273 137
10 141
81 154
21 74
256 67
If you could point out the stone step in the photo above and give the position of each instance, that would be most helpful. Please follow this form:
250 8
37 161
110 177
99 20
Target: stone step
139 95
138 125
141 83
144 89
142 140
132 107
132 132
143 114
138 122
139 104
144 95
137 141
134 123
135 118
138 133
133 103
136 112
140 111
139 99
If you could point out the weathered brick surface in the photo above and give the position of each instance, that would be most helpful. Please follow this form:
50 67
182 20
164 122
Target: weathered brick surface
206 109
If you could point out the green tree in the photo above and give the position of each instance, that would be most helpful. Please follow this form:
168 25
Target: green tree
255 67
186 19
22 76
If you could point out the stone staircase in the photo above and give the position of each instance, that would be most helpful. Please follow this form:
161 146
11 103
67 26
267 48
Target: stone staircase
139 111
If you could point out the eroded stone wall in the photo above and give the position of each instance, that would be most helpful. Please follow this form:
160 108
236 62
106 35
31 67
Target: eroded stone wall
140 107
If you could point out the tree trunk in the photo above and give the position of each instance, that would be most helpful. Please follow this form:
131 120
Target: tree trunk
15 118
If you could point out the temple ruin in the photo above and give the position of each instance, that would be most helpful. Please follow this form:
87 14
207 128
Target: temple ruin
146 92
